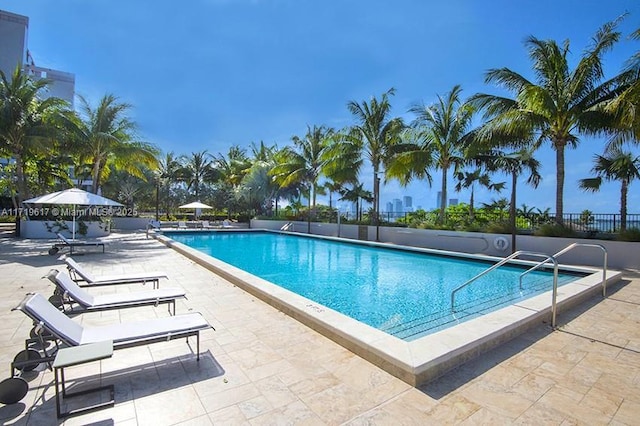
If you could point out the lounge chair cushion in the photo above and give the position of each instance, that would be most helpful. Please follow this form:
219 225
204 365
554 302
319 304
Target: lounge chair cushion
114 279
140 330
39 309
87 300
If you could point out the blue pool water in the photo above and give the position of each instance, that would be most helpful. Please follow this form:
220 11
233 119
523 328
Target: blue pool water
404 293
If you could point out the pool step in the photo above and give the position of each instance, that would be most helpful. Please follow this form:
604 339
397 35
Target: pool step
418 327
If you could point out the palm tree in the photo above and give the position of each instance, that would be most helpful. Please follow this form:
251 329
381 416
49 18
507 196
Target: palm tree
626 105
305 162
27 124
332 186
561 105
105 138
166 175
358 195
614 165
198 170
468 179
526 211
438 133
373 137
233 167
514 163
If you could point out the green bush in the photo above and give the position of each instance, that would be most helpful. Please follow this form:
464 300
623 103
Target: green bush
631 234
554 230
498 228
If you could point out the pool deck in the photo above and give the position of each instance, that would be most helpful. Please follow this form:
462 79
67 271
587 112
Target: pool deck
262 367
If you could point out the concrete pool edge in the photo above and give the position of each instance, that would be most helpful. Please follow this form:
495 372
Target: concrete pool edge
423 359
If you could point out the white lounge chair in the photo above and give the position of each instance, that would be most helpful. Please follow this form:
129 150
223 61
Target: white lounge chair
71 244
124 335
72 294
79 274
182 225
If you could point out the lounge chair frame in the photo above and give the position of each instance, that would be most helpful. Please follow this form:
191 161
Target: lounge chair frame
42 325
72 294
65 242
79 275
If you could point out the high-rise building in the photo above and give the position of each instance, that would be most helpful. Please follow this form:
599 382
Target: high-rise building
15 52
13 33
397 206
439 200
408 201
453 201
389 208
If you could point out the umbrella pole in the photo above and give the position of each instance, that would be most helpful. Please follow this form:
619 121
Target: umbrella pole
73 226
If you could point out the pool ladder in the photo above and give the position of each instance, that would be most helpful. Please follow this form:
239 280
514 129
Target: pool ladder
507 259
546 260
569 248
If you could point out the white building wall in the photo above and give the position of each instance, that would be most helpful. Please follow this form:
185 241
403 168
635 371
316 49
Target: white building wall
13 41
13 51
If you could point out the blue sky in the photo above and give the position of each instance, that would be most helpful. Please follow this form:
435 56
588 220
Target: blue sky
209 74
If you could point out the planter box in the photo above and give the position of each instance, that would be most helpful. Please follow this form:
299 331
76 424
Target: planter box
40 229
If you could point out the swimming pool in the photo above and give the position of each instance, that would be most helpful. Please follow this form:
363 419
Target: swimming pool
414 360
403 293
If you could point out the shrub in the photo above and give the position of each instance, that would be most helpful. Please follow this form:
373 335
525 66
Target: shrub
631 234
498 228
554 230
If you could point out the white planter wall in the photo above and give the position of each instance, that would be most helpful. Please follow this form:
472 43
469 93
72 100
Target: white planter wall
38 229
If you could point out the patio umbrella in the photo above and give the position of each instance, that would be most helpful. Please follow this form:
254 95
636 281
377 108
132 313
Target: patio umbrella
197 205
73 197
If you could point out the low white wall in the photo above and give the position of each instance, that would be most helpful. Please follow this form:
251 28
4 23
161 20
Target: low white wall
620 254
130 223
40 229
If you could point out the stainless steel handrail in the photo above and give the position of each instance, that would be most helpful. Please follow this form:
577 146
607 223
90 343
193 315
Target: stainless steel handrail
506 260
569 248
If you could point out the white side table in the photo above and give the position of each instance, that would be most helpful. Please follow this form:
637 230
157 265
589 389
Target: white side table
76 355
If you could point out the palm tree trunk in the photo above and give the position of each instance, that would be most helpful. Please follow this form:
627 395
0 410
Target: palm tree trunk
559 147
376 191
95 175
623 205
471 211
443 194
309 212
23 188
512 211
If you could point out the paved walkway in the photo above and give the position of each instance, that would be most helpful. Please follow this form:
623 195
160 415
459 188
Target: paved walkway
263 368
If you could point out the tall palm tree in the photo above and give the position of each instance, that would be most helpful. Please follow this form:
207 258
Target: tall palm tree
305 162
560 105
626 106
468 179
233 167
105 138
614 165
514 164
373 137
358 195
438 141
27 124
198 170
167 174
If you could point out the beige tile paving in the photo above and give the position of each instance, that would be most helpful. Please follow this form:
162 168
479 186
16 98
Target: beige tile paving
261 367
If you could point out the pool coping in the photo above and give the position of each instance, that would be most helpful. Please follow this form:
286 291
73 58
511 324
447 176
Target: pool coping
425 358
